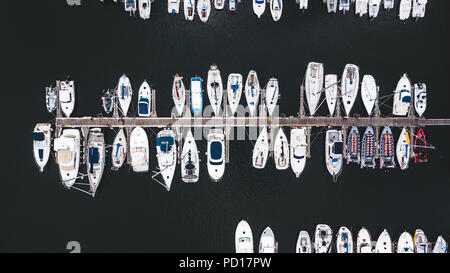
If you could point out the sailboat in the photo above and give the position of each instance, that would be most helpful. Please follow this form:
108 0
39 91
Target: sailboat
243 238
145 7
196 96
259 6
420 147
368 147
353 146
440 246
298 150
281 151
190 162
313 85
204 9
384 243
215 89
130 6
332 6
420 242
363 241
166 153
219 4
361 7
349 86
139 151
276 9
96 158
418 8
173 6
331 92
334 152
252 91
119 150
261 150
387 159
178 94
67 149
402 97
189 9
369 93
42 139
272 93
304 244
108 101
403 149
144 100
344 241
323 239
374 8
405 9
303 4
124 94
216 154
420 98
405 243
51 98
67 97
267 242
234 91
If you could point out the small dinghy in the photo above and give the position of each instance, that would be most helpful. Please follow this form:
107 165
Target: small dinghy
67 97
216 154
173 6
178 94
144 100
196 96
403 149
42 140
232 5
124 94
332 6
418 8
119 150
334 152
384 243
252 91
331 92
108 101
145 8
281 151
374 8
219 4
368 149
234 90
259 6
190 162
243 238
313 85
166 153
361 7
363 242
302 4
215 89
204 9
420 98
344 5
420 147
139 151
51 98
349 86
130 6
276 9
96 158
440 246
405 243
344 241
304 244
267 243
298 150
368 93
388 4
272 93
387 159
323 239
67 149
402 97
353 146
261 150
189 9
420 242
405 9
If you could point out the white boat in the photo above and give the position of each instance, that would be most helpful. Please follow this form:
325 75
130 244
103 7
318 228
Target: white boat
276 9
119 150
344 5
272 93
42 140
144 100
420 242
190 162
139 151
331 92
369 93
145 8
281 150
402 97
243 238
313 85
298 150
204 9
67 149
173 6
215 89
219 4
403 149
51 98
344 241
349 86
124 94
96 158
130 6
189 9
252 91
363 242
405 243
374 8
323 239
234 91
261 150
418 8
303 4
166 153
333 152
216 154
388 4
178 94
420 98
67 97
259 6
196 96
108 101
232 5
332 6
384 243
440 246
405 9
267 242
361 7
368 149
304 244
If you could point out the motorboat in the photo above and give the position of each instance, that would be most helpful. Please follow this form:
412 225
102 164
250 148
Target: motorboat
173 6
67 97
304 244
216 154
261 150
332 6
384 243
119 150
331 92
368 149
178 94
344 241
440 246
130 6
267 242
139 150
420 242
196 96
204 9
234 91
405 243
243 238
387 154
108 101
344 5
42 140
420 98
219 4
96 158
272 93
276 9
67 153
418 8
353 153
302 4
166 153
189 9
323 239
361 7
369 93
403 149
402 97
363 241
252 91
298 150
420 147
388 4
259 6
334 152
124 94
405 9
145 8
313 85
144 100
215 89
190 162
374 8
349 86
281 151
232 5
51 98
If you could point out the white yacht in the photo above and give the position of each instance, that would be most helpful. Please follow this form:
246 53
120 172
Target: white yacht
67 149
332 6
145 8
420 242
302 4
313 85
166 153
272 93
361 7
281 150
344 241
234 91
304 244
67 97
119 150
384 243
196 96
96 158
124 94
405 243
334 152
139 151
388 4
51 98
216 154
173 6
252 91
369 93
298 150
374 8
42 140
190 162
178 94
420 98
130 6
219 4
259 6
405 9
243 238
331 92
215 89
261 150
403 149
440 246
204 9
349 86
344 5
402 97
363 241
189 9
418 8
144 100
267 242
276 9
323 239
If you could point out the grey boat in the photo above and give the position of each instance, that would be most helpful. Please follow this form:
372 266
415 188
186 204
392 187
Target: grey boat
368 149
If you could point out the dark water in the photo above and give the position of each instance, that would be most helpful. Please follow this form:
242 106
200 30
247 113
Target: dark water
95 43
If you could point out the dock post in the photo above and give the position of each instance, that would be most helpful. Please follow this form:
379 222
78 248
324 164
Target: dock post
116 105
154 115
85 133
377 105
338 103
308 142
225 103
227 144
411 139
344 141
58 104
187 110
128 131
377 142
302 103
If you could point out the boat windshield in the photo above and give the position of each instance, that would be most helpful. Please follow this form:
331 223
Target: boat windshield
259 2
38 136
216 150
244 239
406 99
165 143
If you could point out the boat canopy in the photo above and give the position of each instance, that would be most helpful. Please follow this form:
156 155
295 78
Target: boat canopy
216 150
94 155
259 2
165 143
298 157
143 106
38 136
338 148
406 99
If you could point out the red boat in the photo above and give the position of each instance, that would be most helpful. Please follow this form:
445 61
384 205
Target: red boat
420 147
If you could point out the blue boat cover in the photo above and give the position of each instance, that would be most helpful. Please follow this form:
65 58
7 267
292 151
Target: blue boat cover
338 148
165 143
38 136
406 99
259 1
298 157
216 150
93 155
143 106
335 159
41 154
